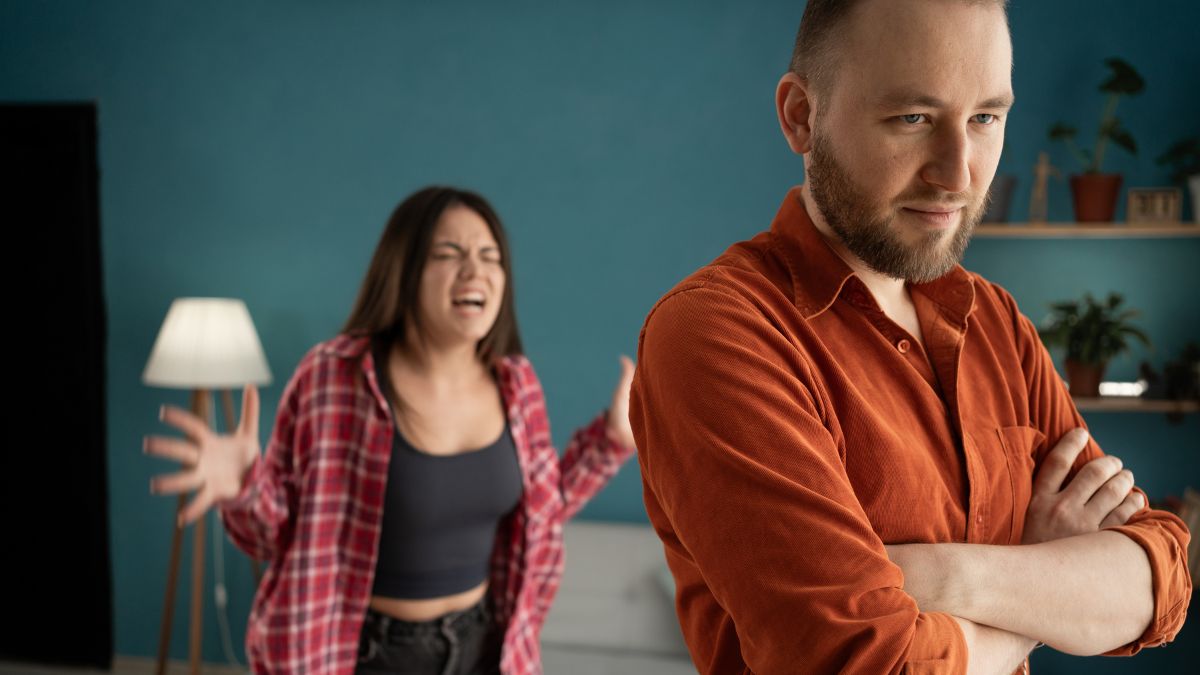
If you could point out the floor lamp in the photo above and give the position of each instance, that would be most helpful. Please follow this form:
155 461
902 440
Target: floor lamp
204 344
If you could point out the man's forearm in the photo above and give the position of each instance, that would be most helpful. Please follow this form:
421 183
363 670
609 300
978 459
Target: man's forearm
1081 595
992 650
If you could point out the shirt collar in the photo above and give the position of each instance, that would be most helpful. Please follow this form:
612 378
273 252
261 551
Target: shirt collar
819 275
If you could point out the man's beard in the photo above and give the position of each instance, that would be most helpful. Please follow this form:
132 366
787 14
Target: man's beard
873 239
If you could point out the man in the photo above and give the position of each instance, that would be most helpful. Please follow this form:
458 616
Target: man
844 436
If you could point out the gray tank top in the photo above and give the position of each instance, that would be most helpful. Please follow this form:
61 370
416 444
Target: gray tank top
440 516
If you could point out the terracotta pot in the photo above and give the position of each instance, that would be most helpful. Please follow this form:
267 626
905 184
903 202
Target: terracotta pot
1084 378
1095 196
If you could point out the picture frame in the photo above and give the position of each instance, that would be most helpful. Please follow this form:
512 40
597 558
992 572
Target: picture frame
1154 205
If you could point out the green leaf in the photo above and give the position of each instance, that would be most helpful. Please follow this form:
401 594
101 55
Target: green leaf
1123 79
1122 138
1062 132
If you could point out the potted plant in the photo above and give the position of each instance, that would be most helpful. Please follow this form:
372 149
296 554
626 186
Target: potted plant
1183 159
1095 193
1093 333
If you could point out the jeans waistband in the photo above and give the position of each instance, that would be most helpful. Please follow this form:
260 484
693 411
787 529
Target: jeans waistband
383 625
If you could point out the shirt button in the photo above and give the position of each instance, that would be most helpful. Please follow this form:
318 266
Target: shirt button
979 520
903 346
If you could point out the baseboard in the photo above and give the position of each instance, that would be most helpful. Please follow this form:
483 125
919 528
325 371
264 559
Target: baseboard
122 665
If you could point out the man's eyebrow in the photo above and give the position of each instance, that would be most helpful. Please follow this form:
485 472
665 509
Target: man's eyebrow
906 99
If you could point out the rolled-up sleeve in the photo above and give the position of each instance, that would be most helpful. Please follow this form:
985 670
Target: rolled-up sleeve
777 567
1162 535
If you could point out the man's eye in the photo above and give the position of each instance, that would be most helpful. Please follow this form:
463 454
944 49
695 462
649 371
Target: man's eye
985 118
912 119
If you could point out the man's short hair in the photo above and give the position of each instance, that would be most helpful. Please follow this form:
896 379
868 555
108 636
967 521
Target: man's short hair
823 22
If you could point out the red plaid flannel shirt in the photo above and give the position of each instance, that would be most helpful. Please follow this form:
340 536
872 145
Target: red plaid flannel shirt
313 506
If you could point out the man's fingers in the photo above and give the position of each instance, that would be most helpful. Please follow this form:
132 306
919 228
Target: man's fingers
171 448
1120 515
176 482
1090 478
1109 495
1059 461
185 421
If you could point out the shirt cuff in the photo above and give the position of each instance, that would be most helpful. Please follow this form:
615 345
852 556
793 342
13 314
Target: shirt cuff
938 646
1172 583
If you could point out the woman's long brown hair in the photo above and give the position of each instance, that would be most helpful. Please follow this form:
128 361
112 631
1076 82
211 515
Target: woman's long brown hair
387 300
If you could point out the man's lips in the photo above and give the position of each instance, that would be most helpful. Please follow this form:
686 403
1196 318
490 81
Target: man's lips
938 216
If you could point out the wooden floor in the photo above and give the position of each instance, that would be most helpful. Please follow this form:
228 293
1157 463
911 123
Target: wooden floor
121 665
555 660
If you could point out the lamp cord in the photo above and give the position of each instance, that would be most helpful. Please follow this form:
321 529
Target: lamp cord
220 595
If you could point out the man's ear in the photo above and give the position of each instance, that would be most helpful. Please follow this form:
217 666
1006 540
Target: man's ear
793 104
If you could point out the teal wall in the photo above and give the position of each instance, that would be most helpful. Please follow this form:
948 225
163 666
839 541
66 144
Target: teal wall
254 149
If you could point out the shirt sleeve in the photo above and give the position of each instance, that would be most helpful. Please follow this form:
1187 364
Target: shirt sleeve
769 546
591 458
1162 535
258 518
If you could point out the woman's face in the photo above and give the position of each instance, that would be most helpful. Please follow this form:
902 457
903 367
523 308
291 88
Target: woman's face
462 285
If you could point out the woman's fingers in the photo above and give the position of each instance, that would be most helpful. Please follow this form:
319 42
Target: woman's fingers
196 508
248 425
171 448
185 421
171 484
1120 515
621 393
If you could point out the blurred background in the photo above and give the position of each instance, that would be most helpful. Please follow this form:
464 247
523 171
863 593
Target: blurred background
254 150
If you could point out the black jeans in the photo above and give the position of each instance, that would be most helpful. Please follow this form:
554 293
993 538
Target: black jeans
459 643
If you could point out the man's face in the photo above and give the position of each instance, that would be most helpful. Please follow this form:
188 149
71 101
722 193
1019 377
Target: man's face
907 136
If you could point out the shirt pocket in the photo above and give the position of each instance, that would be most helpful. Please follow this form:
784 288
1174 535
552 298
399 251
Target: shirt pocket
1020 447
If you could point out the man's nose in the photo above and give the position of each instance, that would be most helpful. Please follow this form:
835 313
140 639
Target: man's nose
949 167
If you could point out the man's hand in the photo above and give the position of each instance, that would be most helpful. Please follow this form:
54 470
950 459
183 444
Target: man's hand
1101 494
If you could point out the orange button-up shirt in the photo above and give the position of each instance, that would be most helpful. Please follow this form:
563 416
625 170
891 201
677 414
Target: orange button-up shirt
788 429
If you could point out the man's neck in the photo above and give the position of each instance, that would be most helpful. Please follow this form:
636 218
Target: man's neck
886 289
890 293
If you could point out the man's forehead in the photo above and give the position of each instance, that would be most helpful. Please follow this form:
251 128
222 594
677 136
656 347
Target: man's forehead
916 96
906 52
904 35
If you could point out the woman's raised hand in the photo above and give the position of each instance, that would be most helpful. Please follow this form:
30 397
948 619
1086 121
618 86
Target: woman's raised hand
618 412
215 465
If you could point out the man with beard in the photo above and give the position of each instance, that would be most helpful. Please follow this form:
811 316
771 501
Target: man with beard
845 437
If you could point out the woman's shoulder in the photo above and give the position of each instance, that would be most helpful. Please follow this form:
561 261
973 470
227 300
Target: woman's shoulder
515 373
339 355
343 345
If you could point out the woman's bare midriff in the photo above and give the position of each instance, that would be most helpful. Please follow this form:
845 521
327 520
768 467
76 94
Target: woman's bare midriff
425 610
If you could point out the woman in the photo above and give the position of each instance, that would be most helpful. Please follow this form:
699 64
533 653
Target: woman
410 500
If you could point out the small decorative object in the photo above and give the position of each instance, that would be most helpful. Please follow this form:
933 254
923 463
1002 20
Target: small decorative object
1043 171
999 197
1093 334
1178 381
1153 205
1189 511
1095 193
1183 158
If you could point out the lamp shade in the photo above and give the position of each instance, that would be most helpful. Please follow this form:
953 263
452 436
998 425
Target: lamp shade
207 343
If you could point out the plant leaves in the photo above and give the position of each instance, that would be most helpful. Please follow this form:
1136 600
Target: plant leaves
1124 139
1062 132
1123 79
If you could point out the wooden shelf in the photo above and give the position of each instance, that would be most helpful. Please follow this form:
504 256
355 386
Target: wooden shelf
1135 405
1085 231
